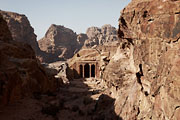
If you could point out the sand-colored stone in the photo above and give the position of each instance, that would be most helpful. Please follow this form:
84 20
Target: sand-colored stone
145 70
98 56
60 43
100 36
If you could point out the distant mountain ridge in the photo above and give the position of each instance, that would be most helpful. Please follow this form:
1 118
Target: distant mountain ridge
62 43
59 43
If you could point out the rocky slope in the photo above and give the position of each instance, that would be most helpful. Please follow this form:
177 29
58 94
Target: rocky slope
144 73
21 73
81 38
99 36
60 42
21 29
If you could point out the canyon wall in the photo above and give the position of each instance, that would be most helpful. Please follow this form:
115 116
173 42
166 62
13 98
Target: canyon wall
21 75
144 73
21 29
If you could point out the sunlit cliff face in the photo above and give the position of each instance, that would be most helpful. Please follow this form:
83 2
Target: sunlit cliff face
149 41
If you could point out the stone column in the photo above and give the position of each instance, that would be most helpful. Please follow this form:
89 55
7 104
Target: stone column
83 70
89 70
79 70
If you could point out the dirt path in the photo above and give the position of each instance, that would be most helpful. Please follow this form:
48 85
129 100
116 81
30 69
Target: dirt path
80 99
77 101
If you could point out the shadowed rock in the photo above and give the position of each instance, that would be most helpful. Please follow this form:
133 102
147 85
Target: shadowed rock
21 73
21 29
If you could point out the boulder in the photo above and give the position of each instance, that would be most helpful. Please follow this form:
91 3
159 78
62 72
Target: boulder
60 70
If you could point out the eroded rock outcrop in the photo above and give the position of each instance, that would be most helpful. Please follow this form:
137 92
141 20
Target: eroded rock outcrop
59 42
99 36
62 43
60 70
21 29
143 74
21 74
81 39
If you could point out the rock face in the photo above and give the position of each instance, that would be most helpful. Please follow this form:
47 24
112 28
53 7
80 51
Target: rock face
144 73
62 43
21 74
59 42
60 70
21 29
81 39
96 57
99 36
99 47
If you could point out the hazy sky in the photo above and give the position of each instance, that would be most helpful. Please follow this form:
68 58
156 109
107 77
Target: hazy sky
77 15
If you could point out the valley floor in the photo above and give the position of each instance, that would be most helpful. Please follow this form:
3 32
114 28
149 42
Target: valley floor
81 99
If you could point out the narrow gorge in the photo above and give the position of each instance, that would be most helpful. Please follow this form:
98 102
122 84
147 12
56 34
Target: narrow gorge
108 73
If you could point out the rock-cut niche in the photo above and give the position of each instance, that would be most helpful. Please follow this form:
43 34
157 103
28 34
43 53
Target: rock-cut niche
81 70
86 71
92 70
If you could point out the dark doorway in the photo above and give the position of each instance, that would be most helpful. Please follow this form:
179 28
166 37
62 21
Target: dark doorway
92 70
86 71
81 70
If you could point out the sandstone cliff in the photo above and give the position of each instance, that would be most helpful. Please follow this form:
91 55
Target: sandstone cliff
99 36
21 75
144 73
60 42
21 29
81 38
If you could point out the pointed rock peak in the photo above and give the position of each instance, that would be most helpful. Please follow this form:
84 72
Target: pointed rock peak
58 29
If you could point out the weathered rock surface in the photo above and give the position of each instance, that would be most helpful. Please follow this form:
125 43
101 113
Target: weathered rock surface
21 74
81 39
21 29
98 55
100 47
144 73
99 36
60 70
60 42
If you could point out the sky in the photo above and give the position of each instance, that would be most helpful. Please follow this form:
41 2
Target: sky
77 15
